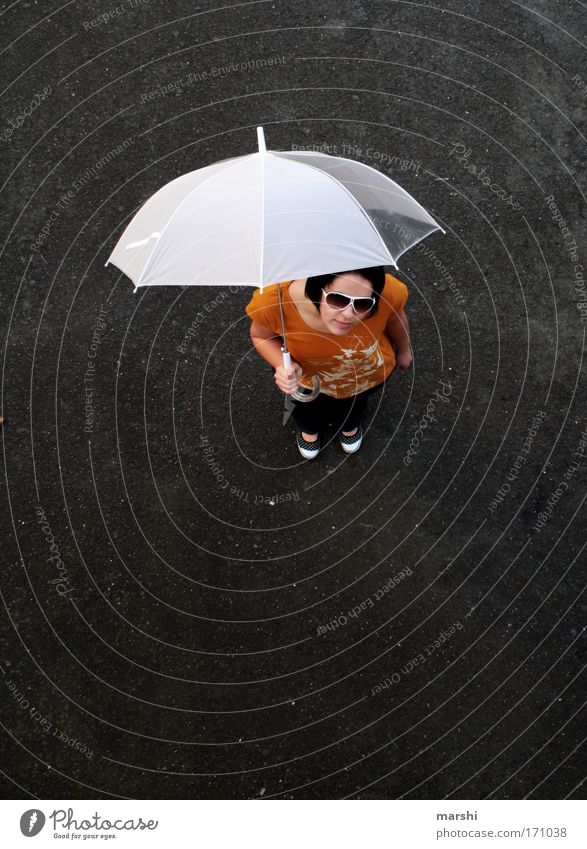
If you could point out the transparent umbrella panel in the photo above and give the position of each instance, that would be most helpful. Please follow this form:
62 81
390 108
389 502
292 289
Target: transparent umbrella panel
399 219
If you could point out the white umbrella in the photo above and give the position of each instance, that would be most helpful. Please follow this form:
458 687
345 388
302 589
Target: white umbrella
269 216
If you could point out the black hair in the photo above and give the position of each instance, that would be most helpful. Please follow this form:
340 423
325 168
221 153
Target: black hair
375 275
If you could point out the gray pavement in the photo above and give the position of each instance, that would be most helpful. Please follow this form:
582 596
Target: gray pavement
190 611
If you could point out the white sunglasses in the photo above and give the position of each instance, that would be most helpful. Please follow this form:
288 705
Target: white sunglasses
340 301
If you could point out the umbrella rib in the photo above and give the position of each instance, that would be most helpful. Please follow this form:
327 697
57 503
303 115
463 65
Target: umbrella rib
262 245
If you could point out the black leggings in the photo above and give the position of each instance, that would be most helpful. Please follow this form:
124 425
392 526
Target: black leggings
344 413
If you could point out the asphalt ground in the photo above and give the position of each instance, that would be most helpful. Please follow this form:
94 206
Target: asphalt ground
190 610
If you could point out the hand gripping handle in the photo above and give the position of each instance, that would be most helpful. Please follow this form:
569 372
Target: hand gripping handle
301 393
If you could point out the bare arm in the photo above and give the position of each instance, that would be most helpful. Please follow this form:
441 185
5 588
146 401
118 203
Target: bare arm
268 345
398 331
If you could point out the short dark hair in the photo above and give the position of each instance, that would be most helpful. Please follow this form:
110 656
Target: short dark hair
375 275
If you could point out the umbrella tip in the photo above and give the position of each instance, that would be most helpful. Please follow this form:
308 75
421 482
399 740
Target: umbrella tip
261 140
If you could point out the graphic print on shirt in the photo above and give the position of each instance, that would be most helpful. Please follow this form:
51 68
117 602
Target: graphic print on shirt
352 370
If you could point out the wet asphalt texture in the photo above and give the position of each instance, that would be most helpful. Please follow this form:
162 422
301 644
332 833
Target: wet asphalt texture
192 611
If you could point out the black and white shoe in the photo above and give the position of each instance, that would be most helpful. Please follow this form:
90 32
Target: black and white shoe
308 450
350 444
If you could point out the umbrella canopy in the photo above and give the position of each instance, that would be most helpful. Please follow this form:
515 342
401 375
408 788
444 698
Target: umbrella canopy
269 216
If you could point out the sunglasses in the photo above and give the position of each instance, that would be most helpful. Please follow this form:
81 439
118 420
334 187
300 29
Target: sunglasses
340 301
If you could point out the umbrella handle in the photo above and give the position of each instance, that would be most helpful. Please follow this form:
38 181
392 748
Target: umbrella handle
301 393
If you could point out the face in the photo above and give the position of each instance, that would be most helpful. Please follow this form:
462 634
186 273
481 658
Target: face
340 322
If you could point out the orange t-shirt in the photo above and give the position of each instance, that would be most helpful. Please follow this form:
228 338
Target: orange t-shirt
347 364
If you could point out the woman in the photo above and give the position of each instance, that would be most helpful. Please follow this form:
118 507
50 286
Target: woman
343 327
